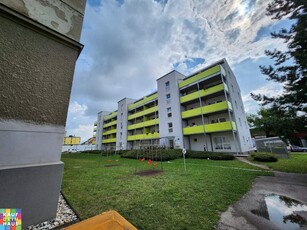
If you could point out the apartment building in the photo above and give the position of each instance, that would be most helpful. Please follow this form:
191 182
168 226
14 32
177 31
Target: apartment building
203 111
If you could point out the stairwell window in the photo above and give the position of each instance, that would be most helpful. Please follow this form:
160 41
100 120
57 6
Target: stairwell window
169 112
170 127
167 87
168 98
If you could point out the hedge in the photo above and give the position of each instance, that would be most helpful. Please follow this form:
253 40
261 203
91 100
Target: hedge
209 155
172 154
162 154
263 157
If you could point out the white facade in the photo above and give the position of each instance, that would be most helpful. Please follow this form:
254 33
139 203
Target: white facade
170 123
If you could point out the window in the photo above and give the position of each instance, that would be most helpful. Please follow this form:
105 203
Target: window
169 112
242 109
168 98
243 138
240 121
232 88
236 104
221 143
167 87
246 124
170 127
195 140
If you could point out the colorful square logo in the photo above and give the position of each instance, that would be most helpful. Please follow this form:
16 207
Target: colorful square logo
10 219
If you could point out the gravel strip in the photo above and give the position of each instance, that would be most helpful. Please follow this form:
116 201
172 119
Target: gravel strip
64 216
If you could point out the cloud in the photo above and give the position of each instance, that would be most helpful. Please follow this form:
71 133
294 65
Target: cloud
270 89
128 45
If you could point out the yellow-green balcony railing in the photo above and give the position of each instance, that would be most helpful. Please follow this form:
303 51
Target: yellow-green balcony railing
204 74
94 135
110 140
109 116
95 129
142 113
144 124
143 136
210 128
109 132
203 92
109 124
220 106
143 101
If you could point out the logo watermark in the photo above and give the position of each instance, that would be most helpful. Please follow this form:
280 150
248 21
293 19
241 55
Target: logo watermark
10 219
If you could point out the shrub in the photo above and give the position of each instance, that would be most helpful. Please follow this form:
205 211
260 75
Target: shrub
172 154
210 155
263 157
161 154
105 153
92 151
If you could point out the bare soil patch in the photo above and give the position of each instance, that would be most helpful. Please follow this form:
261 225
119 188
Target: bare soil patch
151 172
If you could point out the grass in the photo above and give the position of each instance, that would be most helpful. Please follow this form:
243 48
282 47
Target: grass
171 200
296 163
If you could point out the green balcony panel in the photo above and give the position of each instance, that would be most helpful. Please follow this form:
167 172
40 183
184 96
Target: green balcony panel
220 106
144 124
95 129
219 127
210 128
200 76
196 129
143 136
111 140
109 132
144 101
111 115
202 93
109 124
142 113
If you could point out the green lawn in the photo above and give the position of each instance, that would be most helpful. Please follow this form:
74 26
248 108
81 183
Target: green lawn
171 200
296 163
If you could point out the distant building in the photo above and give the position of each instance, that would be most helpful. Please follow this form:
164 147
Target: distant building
203 111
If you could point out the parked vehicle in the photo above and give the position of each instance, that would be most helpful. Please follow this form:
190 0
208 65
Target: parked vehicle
295 148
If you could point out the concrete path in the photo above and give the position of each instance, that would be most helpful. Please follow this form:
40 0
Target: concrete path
243 159
240 216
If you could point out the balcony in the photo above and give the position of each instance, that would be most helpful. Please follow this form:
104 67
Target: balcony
144 124
143 136
109 132
95 123
111 115
203 92
220 106
143 101
142 113
210 128
95 129
110 140
109 124
200 76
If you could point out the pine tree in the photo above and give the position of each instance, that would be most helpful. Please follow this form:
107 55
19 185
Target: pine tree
292 75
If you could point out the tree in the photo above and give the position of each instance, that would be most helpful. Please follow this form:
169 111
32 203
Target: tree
276 122
290 67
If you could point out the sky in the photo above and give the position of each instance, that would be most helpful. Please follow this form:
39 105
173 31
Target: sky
128 44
